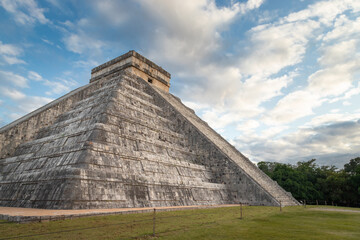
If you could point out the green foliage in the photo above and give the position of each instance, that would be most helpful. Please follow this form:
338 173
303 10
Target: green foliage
308 181
353 167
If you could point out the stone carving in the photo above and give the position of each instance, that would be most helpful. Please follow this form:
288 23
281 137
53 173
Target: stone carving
124 141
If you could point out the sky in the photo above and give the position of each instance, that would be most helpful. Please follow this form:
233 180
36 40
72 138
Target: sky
278 79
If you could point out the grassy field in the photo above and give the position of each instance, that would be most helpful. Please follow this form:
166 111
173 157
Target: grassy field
219 223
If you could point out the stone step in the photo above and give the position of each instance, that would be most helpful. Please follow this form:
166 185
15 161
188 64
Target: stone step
136 92
104 91
72 123
84 107
78 125
168 160
82 111
107 173
126 78
65 140
134 128
135 83
143 142
75 139
116 117
133 99
114 121
107 90
138 113
95 109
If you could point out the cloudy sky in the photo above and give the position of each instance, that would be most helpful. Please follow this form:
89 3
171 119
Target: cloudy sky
278 79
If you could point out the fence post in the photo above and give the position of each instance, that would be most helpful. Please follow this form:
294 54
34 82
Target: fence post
154 220
325 202
317 203
240 210
304 203
280 207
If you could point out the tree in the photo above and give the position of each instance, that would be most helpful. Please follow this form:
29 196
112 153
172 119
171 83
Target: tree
352 169
306 180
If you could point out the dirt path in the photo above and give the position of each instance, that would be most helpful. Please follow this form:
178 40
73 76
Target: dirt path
33 214
335 210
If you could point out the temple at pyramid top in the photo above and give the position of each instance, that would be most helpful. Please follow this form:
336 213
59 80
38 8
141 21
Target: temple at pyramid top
136 64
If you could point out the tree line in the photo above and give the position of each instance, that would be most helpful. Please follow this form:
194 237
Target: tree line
311 182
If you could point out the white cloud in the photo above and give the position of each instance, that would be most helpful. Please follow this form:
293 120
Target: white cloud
219 120
339 52
34 76
56 3
25 11
12 93
250 5
13 60
189 30
339 64
26 104
80 42
328 82
31 103
295 105
324 11
9 78
347 95
273 131
248 126
86 64
332 141
233 103
333 81
56 87
274 47
255 91
195 106
344 28
352 92
10 53
20 103
9 49
47 41
332 118
14 116
331 137
112 11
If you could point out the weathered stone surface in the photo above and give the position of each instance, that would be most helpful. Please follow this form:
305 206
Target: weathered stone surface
121 142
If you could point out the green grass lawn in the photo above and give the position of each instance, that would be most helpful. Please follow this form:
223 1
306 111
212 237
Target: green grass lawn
219 223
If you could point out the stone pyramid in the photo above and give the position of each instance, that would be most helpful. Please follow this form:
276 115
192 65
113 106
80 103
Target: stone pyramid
124 141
